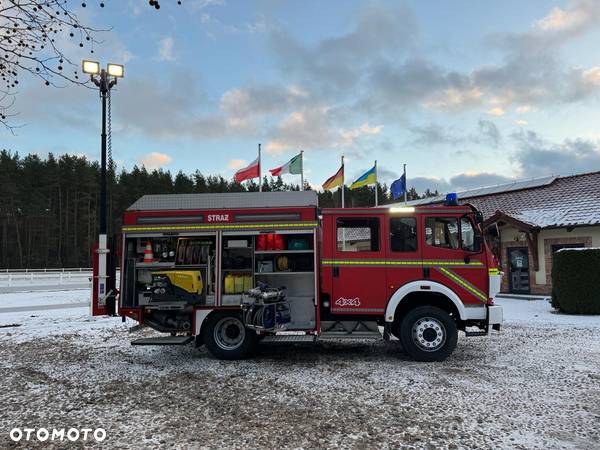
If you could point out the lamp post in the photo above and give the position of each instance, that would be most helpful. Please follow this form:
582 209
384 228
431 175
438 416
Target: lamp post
104 79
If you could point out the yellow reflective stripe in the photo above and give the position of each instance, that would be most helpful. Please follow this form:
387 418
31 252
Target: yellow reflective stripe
494 271
362 262
452 263
220 226
463 283
389 262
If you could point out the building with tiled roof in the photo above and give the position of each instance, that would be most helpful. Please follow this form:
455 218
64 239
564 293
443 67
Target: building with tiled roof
528 221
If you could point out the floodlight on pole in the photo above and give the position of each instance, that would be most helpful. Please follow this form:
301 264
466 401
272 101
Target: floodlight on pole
90 67
115 70
104 79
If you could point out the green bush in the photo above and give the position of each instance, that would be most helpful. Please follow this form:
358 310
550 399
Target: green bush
576 281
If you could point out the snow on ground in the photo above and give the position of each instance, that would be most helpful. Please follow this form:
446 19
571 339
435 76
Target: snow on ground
540 312
23 299
535 385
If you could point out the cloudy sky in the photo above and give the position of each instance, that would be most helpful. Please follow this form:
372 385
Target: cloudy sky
466 93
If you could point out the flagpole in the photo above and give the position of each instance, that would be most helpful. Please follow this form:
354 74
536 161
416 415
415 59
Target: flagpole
301 170
376 183
259 171
343 181
405 187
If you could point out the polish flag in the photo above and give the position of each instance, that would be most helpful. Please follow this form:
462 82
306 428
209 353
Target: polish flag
248 172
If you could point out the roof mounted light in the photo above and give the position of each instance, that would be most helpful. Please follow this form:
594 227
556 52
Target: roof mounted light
402 209
451 199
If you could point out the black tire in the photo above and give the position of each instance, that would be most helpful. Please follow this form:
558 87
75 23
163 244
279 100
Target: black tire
226 337
428 333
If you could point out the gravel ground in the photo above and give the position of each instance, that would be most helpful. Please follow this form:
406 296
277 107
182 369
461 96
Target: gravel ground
532 386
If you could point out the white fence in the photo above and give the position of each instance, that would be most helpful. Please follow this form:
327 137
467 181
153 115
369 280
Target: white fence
64 269
33 279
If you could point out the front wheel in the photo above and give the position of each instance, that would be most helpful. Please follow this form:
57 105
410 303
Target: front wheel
226 337
428 333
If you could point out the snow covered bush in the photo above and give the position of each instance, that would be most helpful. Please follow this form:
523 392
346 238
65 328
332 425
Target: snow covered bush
576 281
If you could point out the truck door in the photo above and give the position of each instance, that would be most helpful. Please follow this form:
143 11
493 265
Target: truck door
358 265
403 250
453 256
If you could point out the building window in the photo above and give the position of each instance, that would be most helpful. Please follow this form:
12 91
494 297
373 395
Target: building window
403 234
441 232
360 234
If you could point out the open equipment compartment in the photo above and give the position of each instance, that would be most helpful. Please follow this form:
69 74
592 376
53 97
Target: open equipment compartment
288 259
277 258
168 276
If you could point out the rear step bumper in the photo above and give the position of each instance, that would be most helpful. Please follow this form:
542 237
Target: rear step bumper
164 340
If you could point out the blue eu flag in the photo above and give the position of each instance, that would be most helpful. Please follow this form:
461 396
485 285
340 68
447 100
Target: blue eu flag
398 187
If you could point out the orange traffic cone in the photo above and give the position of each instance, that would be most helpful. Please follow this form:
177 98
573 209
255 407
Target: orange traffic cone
148 255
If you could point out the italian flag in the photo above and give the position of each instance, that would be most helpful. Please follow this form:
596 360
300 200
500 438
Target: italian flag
248 172
293 166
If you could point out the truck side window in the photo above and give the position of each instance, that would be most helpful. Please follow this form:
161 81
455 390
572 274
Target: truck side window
467 235
441 232
470 236
357 234
403 234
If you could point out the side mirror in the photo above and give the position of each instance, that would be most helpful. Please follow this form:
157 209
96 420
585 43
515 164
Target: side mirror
493 230
477 243
478 217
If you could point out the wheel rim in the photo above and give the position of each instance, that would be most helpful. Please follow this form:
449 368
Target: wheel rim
429 334
229 333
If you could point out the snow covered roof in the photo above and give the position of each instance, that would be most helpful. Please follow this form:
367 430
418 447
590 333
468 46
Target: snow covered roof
546 202
225 200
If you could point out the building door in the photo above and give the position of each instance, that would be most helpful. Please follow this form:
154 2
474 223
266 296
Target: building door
518 270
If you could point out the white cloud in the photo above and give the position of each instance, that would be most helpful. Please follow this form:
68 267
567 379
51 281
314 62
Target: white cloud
165 49
592 76
455 98
523 109
155 160
315 127
496 111
351 135
236 164
201 4
560 20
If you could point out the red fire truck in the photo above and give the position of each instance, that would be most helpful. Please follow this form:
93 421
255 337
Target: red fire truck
231 270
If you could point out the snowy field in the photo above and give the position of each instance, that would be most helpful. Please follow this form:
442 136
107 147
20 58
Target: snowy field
535 385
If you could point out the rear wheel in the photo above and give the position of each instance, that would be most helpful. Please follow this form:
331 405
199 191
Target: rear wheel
226 337
428 333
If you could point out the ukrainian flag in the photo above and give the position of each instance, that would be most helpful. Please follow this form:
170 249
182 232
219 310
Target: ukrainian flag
367 178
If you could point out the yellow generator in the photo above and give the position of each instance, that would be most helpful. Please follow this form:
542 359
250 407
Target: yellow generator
176 286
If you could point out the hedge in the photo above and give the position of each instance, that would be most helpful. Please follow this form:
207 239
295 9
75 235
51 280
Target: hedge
576 281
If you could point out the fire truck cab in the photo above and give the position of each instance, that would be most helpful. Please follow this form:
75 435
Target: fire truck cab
230 270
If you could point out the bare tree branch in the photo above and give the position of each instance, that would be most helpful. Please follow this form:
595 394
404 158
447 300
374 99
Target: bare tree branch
31 33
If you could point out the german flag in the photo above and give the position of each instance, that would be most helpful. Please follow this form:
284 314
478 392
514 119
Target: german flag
334 180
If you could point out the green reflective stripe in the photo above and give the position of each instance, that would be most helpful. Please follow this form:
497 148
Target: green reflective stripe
462 282
219 226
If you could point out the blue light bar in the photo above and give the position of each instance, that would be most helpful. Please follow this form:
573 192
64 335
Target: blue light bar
451 199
